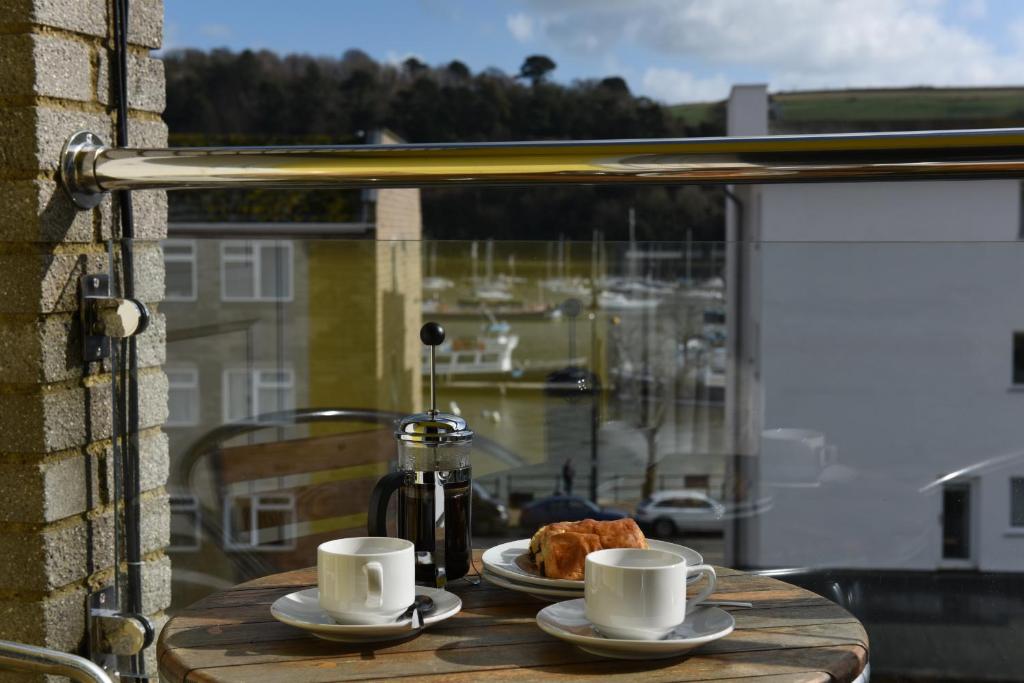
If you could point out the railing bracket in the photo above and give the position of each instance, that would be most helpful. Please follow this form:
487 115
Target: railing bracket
115 638
77 160
104 317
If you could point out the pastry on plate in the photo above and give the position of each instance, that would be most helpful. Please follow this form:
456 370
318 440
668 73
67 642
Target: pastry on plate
559 550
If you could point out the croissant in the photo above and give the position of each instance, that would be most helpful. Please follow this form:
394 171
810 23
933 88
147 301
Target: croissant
559 550
564 555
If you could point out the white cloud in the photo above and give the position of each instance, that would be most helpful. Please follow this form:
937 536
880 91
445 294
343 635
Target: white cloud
520 26
974 9
1015 29
675 85
788 43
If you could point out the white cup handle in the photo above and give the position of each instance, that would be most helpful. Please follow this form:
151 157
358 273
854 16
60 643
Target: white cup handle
707 590
374 584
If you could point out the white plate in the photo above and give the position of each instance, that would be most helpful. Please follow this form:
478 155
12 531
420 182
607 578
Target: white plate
302 610
566 621
539 592
501 560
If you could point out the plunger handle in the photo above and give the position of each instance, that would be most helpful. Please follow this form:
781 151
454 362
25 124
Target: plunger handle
432 335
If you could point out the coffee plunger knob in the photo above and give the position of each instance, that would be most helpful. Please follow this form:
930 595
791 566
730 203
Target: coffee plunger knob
432 334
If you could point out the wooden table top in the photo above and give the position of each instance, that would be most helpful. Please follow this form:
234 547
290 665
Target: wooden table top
790 635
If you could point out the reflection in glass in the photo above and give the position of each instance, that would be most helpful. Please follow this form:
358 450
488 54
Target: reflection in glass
854 426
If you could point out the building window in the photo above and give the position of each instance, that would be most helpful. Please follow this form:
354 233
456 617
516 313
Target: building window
186 523
182 396
255 271
260 521
697 481
251 393
1020 214
1018 357
1017 502
180 266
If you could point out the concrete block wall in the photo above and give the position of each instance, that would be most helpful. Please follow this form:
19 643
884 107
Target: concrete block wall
56 519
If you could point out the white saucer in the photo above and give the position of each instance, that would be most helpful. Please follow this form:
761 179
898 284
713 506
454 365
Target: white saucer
540 592
302 610
566 621
501 560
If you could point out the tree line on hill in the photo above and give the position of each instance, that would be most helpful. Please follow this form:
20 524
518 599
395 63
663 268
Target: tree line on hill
256 98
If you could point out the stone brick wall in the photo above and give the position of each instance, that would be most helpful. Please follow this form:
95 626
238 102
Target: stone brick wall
56 523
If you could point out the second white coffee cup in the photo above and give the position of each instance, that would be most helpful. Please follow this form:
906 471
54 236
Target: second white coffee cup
639 594
369 580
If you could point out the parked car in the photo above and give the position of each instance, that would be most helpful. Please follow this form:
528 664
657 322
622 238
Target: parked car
490 517
667 513
564 509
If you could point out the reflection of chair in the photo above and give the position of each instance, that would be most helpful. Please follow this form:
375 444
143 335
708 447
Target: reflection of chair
18 657
843 588
273 503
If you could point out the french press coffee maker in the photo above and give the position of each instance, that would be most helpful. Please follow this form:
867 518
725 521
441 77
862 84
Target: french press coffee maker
434 486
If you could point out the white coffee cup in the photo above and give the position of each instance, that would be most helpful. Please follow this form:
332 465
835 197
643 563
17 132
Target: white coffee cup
637 594
368 580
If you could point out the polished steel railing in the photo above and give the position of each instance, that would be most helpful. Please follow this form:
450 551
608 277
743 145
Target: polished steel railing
29 658
89 168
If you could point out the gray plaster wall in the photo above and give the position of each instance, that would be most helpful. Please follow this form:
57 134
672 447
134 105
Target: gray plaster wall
56 514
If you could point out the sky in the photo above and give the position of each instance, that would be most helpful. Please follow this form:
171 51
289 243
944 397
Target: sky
671 50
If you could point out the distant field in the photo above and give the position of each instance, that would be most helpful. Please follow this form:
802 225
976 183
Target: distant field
972 106
696 113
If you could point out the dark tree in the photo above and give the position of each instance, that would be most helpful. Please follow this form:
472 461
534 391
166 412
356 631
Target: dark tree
535 68
260 98
459 70
615 84
414 67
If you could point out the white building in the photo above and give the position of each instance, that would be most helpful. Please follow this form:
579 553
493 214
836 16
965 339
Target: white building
886 320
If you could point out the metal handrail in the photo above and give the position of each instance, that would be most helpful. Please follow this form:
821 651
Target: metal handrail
211 440
20 657
89 168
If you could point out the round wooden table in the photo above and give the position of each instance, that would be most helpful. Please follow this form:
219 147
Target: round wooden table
790 635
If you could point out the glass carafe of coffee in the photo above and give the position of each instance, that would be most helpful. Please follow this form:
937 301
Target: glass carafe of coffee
434 486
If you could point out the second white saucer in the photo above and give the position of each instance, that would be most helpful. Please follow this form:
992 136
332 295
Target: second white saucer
566 621
302 610
504 560
540 592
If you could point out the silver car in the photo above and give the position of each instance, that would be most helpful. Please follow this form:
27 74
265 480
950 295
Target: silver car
667 513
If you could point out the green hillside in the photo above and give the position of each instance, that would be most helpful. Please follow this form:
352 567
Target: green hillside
908 108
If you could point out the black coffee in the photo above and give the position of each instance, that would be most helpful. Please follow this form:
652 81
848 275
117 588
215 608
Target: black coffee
416 523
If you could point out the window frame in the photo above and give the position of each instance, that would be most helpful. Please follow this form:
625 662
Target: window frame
290 528
255 262
187 504
1016 372
192 387
192 260
254 385
1014 526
